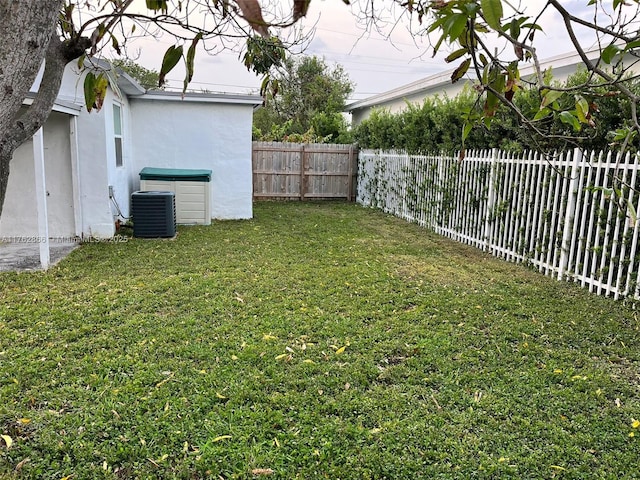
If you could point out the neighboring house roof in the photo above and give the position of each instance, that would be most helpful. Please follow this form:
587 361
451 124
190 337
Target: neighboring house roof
563 65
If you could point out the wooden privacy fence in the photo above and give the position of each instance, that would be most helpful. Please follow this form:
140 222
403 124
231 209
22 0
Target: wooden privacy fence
304 171
572 215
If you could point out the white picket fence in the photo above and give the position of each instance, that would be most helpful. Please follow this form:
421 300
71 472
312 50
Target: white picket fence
571 215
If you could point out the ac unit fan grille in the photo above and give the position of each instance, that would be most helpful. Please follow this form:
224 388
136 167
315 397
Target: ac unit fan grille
154 214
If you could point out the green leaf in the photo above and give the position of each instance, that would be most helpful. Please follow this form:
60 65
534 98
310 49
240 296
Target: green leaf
437 46
532 26
90 90
455 55
632 45
609 53
459 72
157 5
499 83
621 134
550 96
492 10
466 130
514 29
490 106
570 119
191 54
266 82
102 82
115 45
437 24
542 113
456 26
582 108
171 58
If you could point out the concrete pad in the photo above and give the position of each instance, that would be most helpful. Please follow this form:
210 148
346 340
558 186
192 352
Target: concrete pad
17 257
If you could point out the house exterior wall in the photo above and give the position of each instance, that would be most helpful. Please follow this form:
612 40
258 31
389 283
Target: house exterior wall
93 173
212 132
398 104
72 85
120 178
92 149
396 100
181 134
19 215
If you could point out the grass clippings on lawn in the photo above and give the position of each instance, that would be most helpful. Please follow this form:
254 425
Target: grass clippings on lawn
315 341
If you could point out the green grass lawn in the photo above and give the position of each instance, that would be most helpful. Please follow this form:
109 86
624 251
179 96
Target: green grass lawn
315 341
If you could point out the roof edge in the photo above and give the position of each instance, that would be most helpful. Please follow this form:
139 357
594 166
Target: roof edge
441 78
235 98
61 106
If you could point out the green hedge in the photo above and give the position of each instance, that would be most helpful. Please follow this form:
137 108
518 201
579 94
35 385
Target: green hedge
436 125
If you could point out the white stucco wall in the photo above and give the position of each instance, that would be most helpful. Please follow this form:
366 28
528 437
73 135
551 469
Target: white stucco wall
215 136
205 132
19 215
121 178
93 175
92 147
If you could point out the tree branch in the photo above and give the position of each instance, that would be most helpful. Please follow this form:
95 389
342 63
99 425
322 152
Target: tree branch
28 123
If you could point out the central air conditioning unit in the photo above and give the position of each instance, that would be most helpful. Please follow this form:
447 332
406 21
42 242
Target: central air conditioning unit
154 214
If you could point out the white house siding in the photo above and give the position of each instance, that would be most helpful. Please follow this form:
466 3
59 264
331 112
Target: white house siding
19 215
183 134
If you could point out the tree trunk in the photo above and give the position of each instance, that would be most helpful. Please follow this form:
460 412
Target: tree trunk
27 37
5 158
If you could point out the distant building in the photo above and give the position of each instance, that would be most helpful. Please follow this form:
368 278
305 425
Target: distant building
440 84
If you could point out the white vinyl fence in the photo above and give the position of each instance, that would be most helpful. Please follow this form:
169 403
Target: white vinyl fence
571 215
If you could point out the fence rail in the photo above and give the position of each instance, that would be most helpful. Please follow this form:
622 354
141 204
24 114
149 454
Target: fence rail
571 215
304 171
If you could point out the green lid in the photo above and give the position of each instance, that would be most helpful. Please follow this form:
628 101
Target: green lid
175 174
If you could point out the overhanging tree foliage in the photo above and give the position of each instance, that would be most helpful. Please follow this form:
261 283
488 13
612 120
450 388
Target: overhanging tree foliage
494 39
306 95
148 78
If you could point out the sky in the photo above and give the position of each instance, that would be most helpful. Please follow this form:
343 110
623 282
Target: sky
374 61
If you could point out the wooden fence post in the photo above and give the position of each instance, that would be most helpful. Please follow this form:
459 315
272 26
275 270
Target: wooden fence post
303 176
350 175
